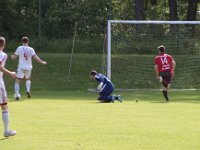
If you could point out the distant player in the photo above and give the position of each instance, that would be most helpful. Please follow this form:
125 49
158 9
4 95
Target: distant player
105 88
3 93
164 68
25 54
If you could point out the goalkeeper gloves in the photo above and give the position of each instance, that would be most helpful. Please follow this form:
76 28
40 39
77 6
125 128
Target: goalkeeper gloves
100 86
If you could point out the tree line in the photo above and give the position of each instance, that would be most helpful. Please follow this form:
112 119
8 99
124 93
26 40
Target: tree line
176 10
57 17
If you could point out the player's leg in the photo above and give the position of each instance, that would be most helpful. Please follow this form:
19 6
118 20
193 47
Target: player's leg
17 87
28 82
164 83
5 118
5 113
105 94
165 93
110 98
165 88
19 76
106 99
28 88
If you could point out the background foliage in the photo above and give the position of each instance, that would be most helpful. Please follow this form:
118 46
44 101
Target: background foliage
18 18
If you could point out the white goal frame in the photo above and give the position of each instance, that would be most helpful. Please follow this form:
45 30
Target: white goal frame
109 31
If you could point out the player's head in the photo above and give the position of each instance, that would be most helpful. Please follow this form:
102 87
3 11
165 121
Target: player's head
161 49
25 40
93 74
2 42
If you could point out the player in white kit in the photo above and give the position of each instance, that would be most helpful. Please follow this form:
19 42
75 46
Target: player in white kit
25 54
3 93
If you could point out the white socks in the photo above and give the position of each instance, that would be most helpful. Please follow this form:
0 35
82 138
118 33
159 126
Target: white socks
28 85
16 88
5 118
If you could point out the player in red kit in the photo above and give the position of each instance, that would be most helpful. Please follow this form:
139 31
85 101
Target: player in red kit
164 68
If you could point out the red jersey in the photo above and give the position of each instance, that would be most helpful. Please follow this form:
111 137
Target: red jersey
163 61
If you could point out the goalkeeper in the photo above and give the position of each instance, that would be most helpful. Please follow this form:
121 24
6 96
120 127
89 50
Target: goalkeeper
164 68
105 88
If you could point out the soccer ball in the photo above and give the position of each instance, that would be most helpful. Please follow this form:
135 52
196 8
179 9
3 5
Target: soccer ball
17 96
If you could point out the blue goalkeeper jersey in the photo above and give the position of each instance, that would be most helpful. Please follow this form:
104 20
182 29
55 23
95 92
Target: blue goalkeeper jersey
101 78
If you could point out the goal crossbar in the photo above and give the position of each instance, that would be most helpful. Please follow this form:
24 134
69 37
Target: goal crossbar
151 22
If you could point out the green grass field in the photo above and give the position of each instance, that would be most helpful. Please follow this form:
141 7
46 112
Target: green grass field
73 120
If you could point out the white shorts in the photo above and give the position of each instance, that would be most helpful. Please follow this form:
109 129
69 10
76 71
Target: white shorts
21 73
3 94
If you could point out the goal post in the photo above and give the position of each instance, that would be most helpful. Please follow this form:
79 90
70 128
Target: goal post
123 37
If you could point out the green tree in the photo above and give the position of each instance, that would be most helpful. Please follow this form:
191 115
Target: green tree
173 10
139 10
192 10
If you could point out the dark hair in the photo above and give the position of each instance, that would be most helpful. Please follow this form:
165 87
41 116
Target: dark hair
25 40
2 41
161 48
93 73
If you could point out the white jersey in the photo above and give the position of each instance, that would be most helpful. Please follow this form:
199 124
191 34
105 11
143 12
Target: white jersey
3 58
25 54
3 93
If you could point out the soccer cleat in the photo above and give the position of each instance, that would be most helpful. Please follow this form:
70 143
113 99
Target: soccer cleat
28 94
17 98
10 133
119 98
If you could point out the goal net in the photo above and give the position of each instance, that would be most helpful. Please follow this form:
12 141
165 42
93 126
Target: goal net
132 46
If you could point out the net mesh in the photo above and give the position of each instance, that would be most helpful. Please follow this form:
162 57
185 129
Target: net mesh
134 47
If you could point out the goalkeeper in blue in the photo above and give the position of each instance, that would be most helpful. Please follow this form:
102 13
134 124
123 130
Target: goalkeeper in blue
105 88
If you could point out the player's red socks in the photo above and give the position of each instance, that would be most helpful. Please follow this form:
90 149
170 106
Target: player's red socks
166 95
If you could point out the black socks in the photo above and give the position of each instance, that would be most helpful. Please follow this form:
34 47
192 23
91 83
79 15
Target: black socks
166 95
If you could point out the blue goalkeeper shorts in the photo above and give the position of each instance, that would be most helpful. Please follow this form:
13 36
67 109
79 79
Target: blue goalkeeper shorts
107 90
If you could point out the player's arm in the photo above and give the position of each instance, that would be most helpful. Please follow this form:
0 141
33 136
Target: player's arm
39 60
173 64
4 70
156 71
156 68
14 57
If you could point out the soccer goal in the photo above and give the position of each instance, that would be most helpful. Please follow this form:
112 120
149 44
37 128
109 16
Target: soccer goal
132 46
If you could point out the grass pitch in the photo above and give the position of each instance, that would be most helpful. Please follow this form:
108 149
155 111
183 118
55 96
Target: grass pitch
74 120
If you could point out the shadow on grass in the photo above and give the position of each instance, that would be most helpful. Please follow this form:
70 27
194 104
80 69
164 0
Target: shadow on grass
5 138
